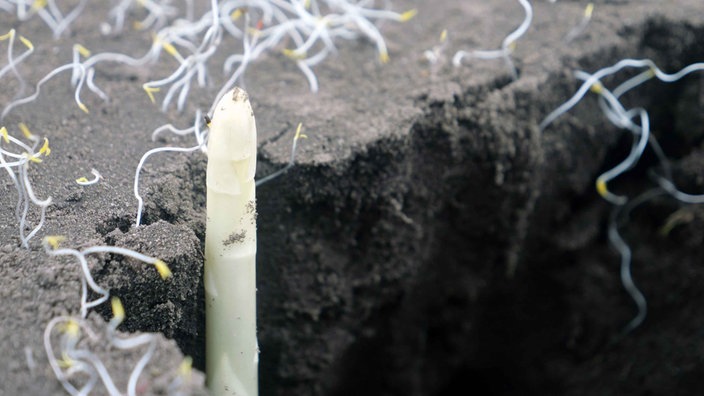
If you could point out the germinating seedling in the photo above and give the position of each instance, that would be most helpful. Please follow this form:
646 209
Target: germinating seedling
257 26
619 116
158 14
582 26
83 181
435 55
201 138
17 169
507 45
47 10
13 62
75 361
67 342
52 247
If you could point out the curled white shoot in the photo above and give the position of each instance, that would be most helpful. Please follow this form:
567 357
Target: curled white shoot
199 133
263 26
618 115
41 82
52 247
582 25
361 18
201 139
586 86
435 55
158 14
667 185
621 118
17 169
639 144
64 22
130 343
47 10
194 65
507 45
83 181
653 71
140 200
9 166
82 70
292 160
13 62
70 364
71 356
249 44
42 204
619 215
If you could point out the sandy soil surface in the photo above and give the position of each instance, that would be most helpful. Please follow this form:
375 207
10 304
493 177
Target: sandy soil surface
430 238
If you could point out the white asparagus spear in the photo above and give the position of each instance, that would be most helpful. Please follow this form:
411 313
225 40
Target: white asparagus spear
232 353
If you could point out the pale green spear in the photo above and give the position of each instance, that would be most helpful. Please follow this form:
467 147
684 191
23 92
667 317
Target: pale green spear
232 353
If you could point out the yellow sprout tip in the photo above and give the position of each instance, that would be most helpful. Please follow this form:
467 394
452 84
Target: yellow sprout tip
236 14
26 42
5 135
38 5
136 25
54 240
150 91
82 180
85 52
408 15
668 227
589 10
293 54
384 57
83 108
186 366
66 361
597 88
10 33
72 328
163 269
601 188
46 150
25 130
675 219
171 50
443 36
118 310
33 158
299 135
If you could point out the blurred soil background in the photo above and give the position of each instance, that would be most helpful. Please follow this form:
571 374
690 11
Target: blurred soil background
430 239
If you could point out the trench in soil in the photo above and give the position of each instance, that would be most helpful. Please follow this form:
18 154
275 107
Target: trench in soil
471 252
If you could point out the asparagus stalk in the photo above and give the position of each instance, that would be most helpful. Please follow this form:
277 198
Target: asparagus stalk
232 353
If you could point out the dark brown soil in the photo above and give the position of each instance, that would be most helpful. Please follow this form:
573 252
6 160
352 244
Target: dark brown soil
431 239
